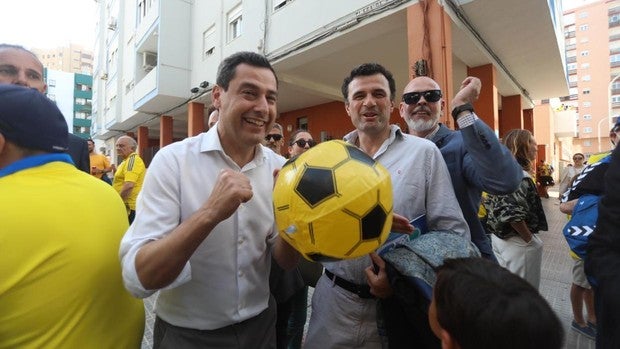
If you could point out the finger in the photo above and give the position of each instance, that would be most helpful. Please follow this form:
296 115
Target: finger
377 260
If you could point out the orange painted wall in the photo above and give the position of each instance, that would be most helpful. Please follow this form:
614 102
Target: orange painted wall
330 117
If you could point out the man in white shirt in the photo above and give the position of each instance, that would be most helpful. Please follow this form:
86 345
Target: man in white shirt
204 230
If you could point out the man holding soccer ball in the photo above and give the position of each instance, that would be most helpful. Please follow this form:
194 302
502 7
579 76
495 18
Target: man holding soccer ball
343 307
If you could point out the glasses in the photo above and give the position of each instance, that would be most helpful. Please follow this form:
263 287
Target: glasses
276 137
429 96
302 143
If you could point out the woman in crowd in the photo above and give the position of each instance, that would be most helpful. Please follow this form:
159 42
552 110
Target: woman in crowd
515 219
571 172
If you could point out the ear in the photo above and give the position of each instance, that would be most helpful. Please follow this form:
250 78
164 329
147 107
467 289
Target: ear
442 107
447 341
401 110
216 94
346 107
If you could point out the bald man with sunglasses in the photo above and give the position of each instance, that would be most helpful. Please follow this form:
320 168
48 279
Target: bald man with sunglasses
476 160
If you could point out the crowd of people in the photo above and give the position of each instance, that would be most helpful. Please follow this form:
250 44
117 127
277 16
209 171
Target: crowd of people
198 226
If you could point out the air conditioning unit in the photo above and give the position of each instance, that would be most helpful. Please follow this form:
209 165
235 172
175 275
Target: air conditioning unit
112 23
149 61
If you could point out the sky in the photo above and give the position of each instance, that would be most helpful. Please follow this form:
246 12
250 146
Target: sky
53 23
48 23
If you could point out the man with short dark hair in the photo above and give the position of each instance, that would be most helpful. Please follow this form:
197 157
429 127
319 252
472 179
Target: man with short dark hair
204 232
344 306
19 66
477 304
59 274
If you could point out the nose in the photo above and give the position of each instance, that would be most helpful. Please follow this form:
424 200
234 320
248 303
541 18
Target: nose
262 105
21 79
369 100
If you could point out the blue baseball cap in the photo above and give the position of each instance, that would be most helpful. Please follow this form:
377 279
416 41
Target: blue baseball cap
31 120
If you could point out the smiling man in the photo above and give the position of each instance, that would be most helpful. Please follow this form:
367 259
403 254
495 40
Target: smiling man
204 231
19 66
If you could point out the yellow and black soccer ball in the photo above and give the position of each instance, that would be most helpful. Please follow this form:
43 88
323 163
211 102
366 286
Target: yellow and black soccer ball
333 202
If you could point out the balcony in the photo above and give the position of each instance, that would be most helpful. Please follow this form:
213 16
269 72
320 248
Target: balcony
565 123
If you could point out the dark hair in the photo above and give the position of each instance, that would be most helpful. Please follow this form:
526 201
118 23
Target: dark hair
517 141
368 69
291 139
226 70
483 305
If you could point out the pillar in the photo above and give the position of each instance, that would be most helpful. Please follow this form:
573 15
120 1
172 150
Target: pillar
487 105
143 140
512 114
165 130
195 118
429 38
528 119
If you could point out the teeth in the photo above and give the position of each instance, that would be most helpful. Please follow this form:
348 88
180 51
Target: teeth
256 122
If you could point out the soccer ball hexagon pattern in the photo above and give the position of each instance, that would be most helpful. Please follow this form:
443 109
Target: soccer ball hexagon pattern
333 202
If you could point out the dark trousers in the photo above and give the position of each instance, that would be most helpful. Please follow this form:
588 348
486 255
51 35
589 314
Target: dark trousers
131 216
257 332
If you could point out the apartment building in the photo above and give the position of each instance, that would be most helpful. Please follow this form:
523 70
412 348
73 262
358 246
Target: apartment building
72 59
72 93
155 61
592 41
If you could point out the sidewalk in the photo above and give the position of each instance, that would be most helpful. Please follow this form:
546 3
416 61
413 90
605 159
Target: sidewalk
556 275
555 279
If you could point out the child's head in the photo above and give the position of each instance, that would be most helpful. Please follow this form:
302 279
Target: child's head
478 304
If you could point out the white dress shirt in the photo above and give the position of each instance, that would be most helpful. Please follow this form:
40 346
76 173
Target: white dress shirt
226 280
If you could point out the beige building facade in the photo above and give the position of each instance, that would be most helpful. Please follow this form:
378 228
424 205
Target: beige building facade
71 59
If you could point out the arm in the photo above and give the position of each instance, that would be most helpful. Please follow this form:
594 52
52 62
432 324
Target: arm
568 207
159 262
126 190
487 164
521 228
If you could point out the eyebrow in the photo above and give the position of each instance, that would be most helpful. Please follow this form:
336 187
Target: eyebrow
256 87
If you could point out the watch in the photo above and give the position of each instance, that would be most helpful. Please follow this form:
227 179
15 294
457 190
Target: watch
461 108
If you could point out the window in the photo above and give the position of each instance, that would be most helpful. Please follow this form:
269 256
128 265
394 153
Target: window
615 85
584 53
51 82
586 78
583 15
235 19
585 65
587 143
587 117
208 42
302 123
614 58
278 4
584 27
573 91
584 40
615 99
573 78
571 66
587 104
587 130
586 91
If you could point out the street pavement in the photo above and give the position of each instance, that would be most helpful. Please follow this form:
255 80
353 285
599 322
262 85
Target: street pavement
555 278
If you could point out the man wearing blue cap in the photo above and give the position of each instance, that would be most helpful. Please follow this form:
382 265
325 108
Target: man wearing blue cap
19 66
60 281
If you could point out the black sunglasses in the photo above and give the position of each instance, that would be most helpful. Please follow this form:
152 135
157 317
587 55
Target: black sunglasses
276 137
302 143
429 96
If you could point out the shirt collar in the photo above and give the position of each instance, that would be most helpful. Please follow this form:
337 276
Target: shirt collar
34 161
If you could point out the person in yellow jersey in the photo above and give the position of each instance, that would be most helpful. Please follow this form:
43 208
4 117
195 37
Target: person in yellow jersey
129 175
60 279
99 163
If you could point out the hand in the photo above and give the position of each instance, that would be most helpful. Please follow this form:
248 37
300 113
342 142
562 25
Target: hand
468 93
377 279
230 191
401 224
